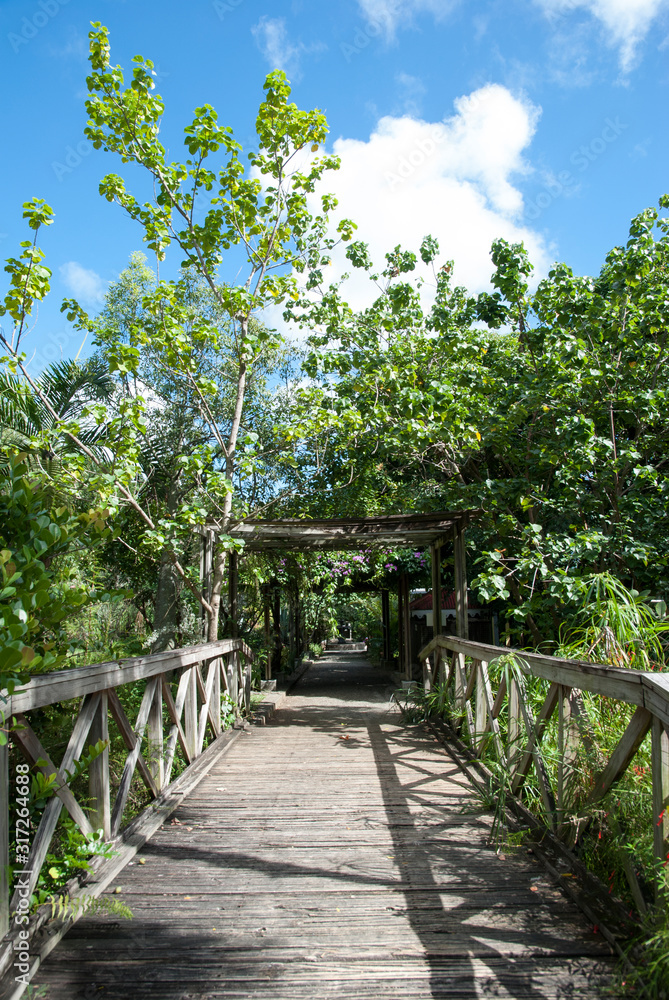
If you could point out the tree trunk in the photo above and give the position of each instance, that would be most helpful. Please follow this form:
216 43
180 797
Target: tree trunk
165 617
218 579
220 560
167 593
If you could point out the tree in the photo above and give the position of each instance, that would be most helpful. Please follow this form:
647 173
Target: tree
264 214
204 212
175 429
551 418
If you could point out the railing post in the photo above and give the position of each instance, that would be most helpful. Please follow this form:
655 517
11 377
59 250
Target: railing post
233 686
660 762
155 737
248 669
513 731
427 674
459 669
568 740
445 665
190 713
481 704
216 696
564 714
98 775
4 839
241 679
268 637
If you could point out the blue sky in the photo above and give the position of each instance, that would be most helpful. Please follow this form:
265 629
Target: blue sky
541 120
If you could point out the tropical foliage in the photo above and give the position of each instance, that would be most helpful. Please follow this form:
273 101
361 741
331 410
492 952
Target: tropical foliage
545 409
541 404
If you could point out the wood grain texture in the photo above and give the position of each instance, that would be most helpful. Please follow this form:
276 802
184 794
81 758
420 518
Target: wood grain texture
63 685
660 762
636 687
333 852
417 530
51 813
623 754
32 750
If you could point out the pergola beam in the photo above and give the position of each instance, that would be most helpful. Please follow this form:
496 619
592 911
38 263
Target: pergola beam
420 530
425 531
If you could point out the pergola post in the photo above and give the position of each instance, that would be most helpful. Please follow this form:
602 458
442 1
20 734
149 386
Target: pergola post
233 582
385 624
276 615
400 627
291 630
460 565
299 641
405 627
268 634
435 560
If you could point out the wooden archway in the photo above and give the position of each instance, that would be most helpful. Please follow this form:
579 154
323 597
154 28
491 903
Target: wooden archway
435 531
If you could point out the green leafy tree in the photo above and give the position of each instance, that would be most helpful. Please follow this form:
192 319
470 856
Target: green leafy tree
37 592
551 417
39 523
176 431
206 206
205 210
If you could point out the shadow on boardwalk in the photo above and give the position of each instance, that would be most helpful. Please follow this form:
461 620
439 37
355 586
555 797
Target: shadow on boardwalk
335 853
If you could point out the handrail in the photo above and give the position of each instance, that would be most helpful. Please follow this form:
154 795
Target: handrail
636 687
184 688
62 685
519 748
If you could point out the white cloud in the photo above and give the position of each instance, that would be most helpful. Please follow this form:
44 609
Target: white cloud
626 22
86 286
388 15
453 180
280 51
411 89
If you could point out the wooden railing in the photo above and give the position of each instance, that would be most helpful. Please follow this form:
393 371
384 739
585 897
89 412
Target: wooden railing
183 686
459 670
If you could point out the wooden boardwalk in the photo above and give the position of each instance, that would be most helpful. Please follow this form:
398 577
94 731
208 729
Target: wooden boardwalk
332 853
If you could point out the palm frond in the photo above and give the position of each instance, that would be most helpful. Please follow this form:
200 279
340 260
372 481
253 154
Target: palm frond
68 385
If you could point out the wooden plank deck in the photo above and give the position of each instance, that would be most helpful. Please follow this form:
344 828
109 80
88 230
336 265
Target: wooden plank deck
332 853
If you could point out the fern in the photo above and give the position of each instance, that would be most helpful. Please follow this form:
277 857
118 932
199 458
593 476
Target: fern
66 908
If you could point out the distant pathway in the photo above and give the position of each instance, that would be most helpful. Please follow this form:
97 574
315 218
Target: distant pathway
332 853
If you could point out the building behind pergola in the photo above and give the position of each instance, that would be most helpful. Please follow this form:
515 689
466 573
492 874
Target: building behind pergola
438 531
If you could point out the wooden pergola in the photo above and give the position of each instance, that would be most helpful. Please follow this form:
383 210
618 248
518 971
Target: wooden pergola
436 531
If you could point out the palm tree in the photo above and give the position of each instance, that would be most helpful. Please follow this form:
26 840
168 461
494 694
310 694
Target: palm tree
25 418
68 385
